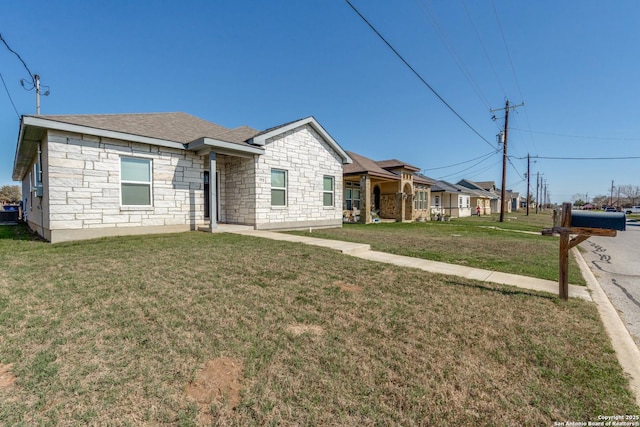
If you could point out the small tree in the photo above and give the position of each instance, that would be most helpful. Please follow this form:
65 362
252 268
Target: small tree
11 193
631 193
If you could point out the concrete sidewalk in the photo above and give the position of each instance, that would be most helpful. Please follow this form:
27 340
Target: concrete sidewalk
364 251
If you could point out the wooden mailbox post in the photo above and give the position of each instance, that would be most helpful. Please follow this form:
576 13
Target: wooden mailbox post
583 225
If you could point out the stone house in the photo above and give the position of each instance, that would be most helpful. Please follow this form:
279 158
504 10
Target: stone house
390 189
87 176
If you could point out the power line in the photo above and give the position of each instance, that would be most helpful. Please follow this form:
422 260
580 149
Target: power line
430 14
484 49
506 47
19 57
418 75
458 173
9 95
461 163
578 136
581 158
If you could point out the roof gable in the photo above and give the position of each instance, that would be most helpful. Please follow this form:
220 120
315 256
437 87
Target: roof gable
261 137
395 163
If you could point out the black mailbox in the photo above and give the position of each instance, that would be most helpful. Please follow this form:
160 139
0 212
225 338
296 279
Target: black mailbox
607 220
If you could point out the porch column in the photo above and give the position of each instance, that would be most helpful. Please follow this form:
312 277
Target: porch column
365 199
399 203
213 197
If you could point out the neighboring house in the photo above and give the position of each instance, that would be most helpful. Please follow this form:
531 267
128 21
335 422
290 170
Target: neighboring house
450 199
515 200
390 189
480 197
489 186
86 176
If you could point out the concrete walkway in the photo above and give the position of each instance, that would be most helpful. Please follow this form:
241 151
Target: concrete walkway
364 251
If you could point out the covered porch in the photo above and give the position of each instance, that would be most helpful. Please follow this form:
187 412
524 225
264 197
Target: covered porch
228 183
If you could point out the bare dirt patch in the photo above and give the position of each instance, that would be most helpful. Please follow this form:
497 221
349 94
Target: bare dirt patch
6 377
217 384
347 287
302 329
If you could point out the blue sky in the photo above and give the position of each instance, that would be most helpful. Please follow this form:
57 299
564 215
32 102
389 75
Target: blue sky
575 64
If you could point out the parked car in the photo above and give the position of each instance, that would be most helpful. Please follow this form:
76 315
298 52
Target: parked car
610 209
632 210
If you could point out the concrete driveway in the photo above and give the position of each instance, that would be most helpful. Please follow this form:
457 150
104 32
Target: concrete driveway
615 261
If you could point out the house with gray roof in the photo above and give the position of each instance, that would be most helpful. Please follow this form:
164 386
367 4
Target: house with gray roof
450 199
87 176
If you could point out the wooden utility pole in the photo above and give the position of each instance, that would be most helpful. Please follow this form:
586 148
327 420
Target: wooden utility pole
528 181
537 191
505 135
611 195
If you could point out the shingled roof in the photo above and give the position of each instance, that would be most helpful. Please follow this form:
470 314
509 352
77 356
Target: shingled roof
363 165
177 127
395 163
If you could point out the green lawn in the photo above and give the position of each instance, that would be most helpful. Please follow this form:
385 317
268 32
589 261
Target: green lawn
115 332
476 242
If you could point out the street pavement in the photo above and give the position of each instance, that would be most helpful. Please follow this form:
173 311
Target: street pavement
615 262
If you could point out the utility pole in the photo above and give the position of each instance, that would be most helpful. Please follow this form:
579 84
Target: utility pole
528 180
537 191
37 85
38 88
611 195
504 135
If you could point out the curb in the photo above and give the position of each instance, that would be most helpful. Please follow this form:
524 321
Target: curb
627 352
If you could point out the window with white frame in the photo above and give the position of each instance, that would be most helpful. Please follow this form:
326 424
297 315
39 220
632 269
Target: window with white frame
327 191
352 195
135 181
437 200
278 187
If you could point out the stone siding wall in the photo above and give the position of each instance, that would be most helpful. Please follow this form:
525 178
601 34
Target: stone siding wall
306 157
238 189
84 184
388 207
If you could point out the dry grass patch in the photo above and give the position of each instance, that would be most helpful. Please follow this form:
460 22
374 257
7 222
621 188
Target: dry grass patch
7 378
296 330
216 386
348 287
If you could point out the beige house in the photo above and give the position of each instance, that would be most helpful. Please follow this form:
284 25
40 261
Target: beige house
388 189
484 199
87 176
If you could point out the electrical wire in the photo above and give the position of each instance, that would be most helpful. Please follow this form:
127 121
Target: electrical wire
461 163
582 158
418 75
484 49
33 79
506 47
9 95
463 171
577 136
428 12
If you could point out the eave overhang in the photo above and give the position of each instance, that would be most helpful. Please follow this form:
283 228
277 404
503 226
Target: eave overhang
32 130
205 145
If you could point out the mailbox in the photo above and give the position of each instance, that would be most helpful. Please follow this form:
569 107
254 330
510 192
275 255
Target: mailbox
606 220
